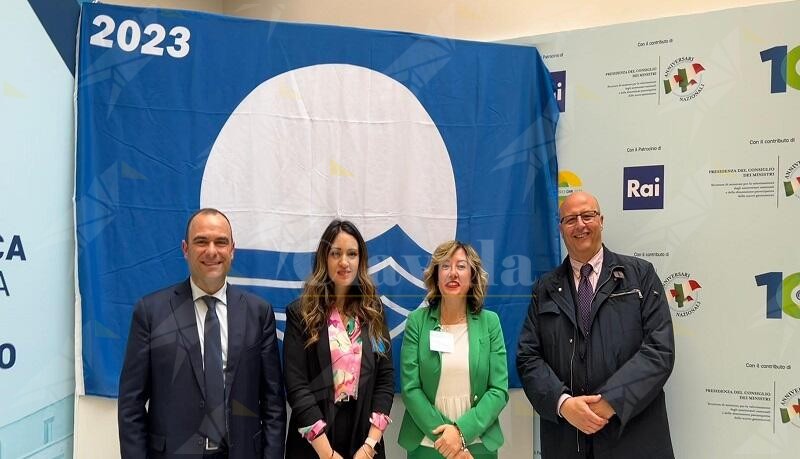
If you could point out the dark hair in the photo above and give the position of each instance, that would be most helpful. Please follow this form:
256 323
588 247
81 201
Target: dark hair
205 211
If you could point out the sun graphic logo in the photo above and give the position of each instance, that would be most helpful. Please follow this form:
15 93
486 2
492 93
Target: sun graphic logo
683 78
683 293
791 184
790 408
568 183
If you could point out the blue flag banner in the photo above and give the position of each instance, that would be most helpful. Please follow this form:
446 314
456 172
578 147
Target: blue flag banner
416 139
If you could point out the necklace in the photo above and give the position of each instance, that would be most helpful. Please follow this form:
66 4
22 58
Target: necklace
457 309
460 320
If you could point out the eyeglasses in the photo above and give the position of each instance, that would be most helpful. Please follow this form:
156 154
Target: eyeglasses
586 218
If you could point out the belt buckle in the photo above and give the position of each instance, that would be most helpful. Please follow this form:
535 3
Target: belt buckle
211 446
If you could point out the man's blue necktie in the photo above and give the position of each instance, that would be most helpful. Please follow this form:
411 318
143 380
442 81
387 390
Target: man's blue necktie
212 362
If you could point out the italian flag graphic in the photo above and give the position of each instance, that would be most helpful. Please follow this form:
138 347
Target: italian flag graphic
791 412
685 78
684 292
792 186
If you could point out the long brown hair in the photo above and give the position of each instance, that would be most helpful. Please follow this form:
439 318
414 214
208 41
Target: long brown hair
361 300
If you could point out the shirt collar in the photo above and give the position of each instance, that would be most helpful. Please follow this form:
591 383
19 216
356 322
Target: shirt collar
596 261
221 295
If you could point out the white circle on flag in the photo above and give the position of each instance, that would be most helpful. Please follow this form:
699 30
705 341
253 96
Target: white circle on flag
330 141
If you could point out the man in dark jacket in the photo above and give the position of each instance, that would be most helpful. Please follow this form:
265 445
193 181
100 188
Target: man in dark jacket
202 376
597 348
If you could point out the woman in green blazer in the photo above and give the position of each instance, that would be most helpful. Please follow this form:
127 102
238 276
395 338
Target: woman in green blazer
453 363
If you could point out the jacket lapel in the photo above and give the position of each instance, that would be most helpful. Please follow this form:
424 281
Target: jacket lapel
367 358
366 378
475 333
604 288
236 332
324 357
561 290
183 310
605 285
433 323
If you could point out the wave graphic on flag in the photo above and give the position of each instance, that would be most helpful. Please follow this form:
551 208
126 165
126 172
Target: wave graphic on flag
391 306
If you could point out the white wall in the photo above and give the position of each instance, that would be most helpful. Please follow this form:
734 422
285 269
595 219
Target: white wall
473 19
95 418
210 6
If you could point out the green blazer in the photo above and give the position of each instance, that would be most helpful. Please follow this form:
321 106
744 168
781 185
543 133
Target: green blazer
421 370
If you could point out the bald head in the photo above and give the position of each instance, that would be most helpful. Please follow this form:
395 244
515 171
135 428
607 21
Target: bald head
578 197
581 225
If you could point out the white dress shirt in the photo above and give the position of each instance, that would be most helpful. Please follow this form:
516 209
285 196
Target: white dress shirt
200 310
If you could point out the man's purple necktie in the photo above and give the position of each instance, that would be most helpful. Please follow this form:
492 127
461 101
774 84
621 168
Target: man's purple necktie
585 295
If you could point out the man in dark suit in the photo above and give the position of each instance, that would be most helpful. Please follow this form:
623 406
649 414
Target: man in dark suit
202 375
597 347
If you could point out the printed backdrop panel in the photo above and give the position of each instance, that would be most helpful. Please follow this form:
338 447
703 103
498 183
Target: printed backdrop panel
686 130
37 377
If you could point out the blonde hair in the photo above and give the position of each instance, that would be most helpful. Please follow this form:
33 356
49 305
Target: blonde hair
479 278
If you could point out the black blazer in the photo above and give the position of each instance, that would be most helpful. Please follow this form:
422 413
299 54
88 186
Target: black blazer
163 366
309 386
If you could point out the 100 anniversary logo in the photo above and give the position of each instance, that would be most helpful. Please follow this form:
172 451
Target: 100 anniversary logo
683 78
683 293
791 184
790 408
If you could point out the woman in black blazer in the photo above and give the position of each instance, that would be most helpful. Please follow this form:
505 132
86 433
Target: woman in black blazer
337 355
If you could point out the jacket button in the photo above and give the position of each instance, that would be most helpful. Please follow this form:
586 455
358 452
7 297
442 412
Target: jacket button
474 398
200 442
202 404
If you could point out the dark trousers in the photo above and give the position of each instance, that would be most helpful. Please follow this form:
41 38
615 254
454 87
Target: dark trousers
340 431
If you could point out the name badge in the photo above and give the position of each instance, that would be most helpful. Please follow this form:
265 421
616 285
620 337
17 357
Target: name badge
442 341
